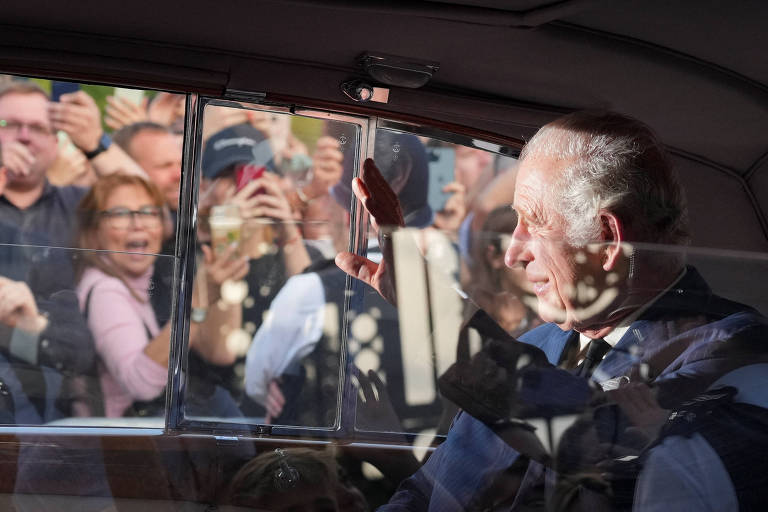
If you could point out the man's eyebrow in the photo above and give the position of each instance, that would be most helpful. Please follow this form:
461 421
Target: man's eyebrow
530 215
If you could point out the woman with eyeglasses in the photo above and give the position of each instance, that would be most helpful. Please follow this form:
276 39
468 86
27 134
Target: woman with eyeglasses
121 228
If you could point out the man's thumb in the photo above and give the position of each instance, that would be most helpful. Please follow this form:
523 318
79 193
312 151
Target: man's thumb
356 266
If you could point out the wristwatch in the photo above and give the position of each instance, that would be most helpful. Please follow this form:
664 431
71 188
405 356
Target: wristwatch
104 143
198 315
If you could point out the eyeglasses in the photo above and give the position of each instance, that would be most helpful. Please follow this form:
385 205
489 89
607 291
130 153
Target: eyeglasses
120 218
35 129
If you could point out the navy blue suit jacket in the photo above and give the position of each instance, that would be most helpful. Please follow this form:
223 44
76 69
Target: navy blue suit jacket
684 331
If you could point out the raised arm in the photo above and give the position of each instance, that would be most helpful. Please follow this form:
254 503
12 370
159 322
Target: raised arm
381 203
78 115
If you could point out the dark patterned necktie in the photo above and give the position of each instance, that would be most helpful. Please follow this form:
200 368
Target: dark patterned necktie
596 349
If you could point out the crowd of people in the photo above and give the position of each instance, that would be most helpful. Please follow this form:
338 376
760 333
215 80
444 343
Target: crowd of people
87 223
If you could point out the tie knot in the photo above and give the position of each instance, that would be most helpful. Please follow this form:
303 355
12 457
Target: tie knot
596 349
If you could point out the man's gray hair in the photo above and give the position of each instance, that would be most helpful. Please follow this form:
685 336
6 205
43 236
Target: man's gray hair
614 163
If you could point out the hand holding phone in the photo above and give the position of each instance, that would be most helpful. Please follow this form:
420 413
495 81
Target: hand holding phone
135 96
245 173
126 107
78 115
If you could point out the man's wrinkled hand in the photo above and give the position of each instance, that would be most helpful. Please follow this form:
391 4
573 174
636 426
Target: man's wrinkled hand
383 206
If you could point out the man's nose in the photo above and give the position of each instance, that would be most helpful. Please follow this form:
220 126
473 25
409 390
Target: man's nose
518 252
23 134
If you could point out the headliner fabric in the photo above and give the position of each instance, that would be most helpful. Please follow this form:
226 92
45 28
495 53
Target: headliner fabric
694 72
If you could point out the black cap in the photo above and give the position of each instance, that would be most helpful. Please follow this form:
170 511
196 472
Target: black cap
239 144
402 160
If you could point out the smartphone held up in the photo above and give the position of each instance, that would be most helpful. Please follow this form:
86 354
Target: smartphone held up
245 173
59 88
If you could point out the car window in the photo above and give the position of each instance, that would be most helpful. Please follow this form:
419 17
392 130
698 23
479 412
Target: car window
298 344
273 211
91 186
398 351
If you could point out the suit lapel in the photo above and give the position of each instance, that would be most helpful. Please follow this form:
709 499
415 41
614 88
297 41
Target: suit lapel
659 324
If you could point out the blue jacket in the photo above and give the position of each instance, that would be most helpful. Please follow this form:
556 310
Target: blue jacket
684 332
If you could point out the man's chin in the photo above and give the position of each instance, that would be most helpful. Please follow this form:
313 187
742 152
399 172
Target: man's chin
554 314
23 183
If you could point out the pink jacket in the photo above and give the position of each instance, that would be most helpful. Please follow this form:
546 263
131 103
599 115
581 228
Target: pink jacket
117 321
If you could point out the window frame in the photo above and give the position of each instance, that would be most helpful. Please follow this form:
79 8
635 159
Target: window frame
178 375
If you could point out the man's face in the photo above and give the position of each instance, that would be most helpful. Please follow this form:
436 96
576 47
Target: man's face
562 276
30 113
470 164
159 154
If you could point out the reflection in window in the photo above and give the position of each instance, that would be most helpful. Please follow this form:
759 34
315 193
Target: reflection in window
453 246
268 231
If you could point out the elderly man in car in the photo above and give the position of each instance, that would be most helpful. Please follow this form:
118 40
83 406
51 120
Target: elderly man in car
594 193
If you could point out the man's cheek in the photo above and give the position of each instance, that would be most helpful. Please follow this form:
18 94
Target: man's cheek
44 156
551 309
599 305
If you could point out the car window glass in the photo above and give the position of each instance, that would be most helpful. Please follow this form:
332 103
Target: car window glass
268 301
452 244
90 190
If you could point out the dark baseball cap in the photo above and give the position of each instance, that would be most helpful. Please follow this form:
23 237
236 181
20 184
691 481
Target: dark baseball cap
402 160
239 144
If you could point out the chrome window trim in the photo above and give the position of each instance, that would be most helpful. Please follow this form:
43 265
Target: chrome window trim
100 430
184 268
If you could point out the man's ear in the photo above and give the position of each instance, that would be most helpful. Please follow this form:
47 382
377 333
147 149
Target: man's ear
613 236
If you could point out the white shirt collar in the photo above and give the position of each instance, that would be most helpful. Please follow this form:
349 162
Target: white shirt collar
613 337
